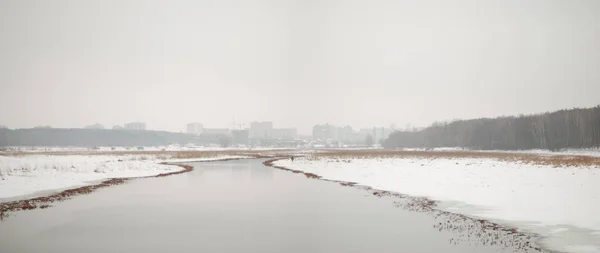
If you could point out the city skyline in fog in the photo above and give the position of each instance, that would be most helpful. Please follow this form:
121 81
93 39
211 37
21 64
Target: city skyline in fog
69 64
237 126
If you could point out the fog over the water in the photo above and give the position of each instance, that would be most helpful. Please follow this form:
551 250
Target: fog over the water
296 63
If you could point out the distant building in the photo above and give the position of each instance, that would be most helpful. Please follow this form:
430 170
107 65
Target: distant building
3 127
43 127
345 134
195 128
304 137
216 131
324 132
284 133
240 136
95 126
364 132
388 131
117 127
135 126
261 130
379 134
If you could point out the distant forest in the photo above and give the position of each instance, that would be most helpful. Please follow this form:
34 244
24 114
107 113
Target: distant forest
573 128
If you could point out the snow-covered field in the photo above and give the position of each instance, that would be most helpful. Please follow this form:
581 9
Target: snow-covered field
34 174
561 204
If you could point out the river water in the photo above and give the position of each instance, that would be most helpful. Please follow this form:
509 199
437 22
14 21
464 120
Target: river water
233 206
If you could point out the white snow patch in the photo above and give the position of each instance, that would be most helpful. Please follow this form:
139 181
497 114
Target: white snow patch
28 175
515 194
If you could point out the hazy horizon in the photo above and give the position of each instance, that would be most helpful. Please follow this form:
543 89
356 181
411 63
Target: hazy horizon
295 63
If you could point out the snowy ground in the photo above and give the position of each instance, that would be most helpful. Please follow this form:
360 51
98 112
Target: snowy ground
561 204
24 176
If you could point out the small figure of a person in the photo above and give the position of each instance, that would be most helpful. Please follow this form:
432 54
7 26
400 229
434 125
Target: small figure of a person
292 158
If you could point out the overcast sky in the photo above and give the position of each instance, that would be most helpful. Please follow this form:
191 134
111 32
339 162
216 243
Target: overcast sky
296 63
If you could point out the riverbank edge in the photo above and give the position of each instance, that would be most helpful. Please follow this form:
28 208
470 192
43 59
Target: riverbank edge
44 202
485 231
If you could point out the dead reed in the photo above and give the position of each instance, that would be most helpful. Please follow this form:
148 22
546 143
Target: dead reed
555 160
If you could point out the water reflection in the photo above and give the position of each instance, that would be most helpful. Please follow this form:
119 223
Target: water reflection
261 173
241 169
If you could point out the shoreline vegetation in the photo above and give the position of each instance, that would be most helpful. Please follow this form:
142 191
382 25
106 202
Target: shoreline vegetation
549 159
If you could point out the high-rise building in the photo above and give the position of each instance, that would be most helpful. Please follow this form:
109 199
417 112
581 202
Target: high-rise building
324 132
345 134
284 133
261 130
136 126
216 131
379 134
240 136
195 128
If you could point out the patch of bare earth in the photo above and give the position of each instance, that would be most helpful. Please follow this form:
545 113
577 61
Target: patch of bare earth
467 230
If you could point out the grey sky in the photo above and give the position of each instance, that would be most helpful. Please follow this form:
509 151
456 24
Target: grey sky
296 63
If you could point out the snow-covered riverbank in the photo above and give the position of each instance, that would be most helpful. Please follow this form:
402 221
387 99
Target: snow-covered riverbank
26 175
561 204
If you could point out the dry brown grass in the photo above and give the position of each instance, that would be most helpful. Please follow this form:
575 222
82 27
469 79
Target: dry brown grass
46 201
551 160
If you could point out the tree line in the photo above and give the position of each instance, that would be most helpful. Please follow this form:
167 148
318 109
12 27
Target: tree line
572 128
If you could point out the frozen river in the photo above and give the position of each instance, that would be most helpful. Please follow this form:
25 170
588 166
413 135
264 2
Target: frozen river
233 206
